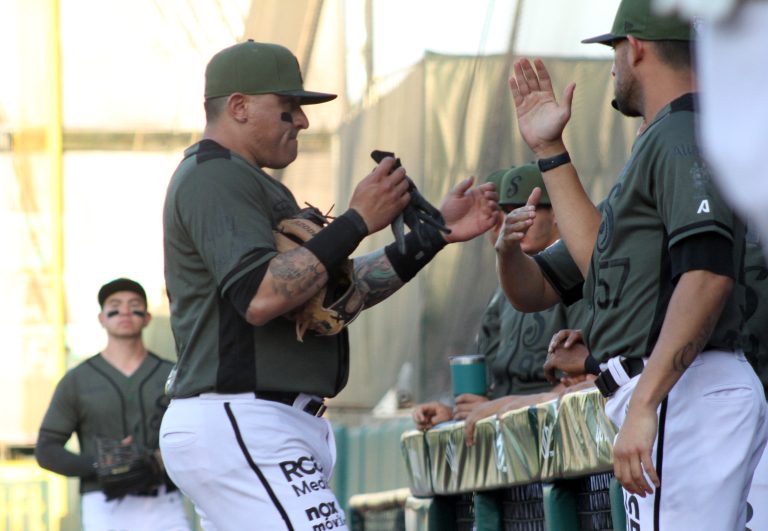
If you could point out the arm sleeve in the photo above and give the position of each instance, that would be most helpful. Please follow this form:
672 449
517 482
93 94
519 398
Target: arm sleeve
51 455
561 272
707 251
59 423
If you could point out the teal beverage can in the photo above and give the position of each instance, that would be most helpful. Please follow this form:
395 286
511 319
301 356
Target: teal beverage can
468 374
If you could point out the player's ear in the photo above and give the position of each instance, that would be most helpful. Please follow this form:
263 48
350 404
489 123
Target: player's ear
237 107
147 318
102 319
637 50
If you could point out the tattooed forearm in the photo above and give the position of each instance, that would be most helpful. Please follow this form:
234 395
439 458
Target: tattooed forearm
296 272
375 277
685 356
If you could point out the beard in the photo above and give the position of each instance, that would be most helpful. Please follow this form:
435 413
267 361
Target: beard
626 101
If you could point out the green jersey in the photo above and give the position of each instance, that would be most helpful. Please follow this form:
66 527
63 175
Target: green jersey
515 344
95 400
664 195
219 215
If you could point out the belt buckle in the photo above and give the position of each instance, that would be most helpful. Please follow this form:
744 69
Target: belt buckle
316 408
603 385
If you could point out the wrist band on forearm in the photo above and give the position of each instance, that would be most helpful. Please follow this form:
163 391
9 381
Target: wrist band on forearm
551 163
338 239
416 255
591 365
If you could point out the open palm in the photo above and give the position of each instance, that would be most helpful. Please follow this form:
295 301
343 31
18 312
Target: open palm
541 119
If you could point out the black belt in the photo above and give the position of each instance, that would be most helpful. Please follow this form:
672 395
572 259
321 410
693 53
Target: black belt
607 385
316 408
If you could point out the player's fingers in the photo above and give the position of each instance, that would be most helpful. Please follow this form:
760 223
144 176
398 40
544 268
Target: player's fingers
469 432
522 83
637 478
650 471
555 341
545 82
534 198
515 90
568 96
623 471
549 371
530 76
572 337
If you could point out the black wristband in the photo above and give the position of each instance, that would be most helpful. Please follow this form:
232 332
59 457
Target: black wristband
551 163
591 365
338 239
416 255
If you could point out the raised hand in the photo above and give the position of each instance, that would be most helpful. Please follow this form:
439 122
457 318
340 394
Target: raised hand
541 119
517 223
468 211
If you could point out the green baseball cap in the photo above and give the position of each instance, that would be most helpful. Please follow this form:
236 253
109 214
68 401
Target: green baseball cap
495 178
258 68
637 18
518 182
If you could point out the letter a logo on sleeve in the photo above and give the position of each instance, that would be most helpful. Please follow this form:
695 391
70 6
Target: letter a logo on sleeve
703 207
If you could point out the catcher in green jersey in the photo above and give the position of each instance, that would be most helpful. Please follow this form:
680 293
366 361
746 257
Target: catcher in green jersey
244 435
114 402
663 269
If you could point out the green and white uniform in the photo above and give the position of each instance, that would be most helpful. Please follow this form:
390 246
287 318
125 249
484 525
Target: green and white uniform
219 215
95 400
515 344
664 217
237 437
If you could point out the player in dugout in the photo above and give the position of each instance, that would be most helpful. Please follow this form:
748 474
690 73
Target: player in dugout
662 264
514 343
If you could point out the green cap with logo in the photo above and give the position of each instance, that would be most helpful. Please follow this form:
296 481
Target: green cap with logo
518 182
637 18
258 68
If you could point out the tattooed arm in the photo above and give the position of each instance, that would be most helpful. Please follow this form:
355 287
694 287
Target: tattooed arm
693 311
375 277
291 279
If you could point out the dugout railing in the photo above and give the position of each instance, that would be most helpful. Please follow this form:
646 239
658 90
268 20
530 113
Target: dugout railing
543 467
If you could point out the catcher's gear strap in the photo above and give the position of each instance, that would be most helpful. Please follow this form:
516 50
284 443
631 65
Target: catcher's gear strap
337 240
416 255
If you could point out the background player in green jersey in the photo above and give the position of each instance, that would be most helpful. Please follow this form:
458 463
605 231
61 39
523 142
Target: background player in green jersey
116 395
661 268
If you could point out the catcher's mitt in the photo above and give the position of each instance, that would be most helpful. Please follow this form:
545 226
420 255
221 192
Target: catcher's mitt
124 469
339 302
